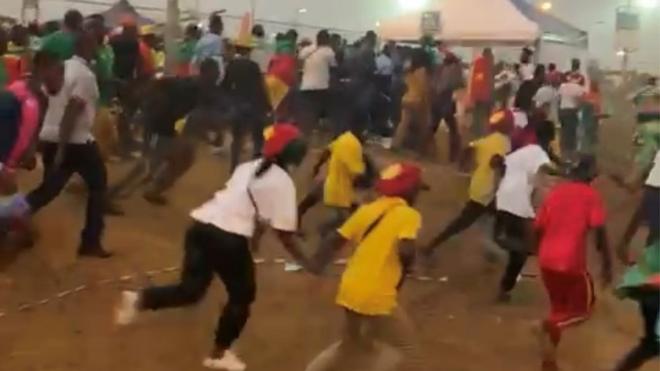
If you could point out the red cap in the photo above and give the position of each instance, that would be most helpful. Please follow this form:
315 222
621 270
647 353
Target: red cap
399 179
277 137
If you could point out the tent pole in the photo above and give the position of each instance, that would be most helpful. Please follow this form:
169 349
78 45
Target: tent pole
171 34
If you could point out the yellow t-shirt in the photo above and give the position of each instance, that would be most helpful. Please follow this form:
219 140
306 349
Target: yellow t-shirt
344 165
482 184
417 87
369 283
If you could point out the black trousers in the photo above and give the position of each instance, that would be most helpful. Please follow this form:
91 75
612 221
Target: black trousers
85 160
246 119
312 105
468 216
649 346
513 234
211 250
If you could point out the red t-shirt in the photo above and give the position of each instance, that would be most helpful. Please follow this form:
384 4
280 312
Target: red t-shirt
569 211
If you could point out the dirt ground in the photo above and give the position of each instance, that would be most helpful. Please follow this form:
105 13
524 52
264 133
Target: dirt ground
293 319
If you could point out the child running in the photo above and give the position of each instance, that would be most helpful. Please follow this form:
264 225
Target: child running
569 212
217 242
384 232
488 154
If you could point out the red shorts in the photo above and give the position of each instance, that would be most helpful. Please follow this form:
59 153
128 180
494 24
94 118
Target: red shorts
571 297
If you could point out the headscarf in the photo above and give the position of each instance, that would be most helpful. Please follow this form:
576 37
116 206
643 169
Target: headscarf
278 137
399 179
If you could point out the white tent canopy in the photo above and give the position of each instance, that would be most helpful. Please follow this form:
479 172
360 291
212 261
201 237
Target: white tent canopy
464 22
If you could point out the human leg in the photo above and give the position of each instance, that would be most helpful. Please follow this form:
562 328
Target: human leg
196 274
54 178
470 214
398 331
649 346
92 170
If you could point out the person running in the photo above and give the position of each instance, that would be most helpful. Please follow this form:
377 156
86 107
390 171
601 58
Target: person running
641 282
315 100
488 154
211 45
218 242
571 94
384 233
21 105
168 154
246 89
570 211
68 145
513 200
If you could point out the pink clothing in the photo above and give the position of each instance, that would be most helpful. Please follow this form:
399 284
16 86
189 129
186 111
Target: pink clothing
29 121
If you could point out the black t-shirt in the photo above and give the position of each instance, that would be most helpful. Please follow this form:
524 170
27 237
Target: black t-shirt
168 100
10 118
244 84
525 95
127 56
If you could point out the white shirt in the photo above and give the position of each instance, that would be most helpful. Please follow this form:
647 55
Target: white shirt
316 67
232 210
653 180
570 94
527 71
80 83
384 65
514 194
546 95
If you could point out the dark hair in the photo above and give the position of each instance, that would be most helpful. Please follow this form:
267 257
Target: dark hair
323 37
552 67
258 30
288 156
73 20
292 34
371 36
97 17
585 169
539 72
215 21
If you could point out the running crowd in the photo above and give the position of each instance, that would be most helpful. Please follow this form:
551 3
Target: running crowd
63 91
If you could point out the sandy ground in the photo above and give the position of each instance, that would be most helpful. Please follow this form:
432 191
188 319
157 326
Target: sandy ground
294 318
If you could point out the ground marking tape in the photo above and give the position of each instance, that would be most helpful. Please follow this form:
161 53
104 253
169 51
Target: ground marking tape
24 307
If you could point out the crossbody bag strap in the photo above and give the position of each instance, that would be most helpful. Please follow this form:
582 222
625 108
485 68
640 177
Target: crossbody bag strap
376 222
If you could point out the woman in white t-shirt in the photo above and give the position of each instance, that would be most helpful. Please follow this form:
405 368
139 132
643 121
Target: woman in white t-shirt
219 238
515 213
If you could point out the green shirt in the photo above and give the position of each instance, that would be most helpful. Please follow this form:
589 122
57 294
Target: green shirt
60 43
103 68
3 73
647 144
186 51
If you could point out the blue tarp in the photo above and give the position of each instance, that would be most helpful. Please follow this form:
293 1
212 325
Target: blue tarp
553 28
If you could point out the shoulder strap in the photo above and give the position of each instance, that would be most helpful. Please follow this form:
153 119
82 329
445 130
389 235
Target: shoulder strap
376 222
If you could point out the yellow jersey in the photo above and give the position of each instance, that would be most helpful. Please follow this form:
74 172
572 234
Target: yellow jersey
345 163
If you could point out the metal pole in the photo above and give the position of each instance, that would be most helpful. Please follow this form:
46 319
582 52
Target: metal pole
171 34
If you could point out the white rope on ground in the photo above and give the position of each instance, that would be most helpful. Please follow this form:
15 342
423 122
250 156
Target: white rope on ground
25 307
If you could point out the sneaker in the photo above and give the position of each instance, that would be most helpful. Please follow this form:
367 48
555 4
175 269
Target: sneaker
229 362
128 308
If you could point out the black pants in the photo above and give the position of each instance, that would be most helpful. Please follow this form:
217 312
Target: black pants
468 216
312 105
649 346
512 233
207 250
569 120
84 159
246 119
651 205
